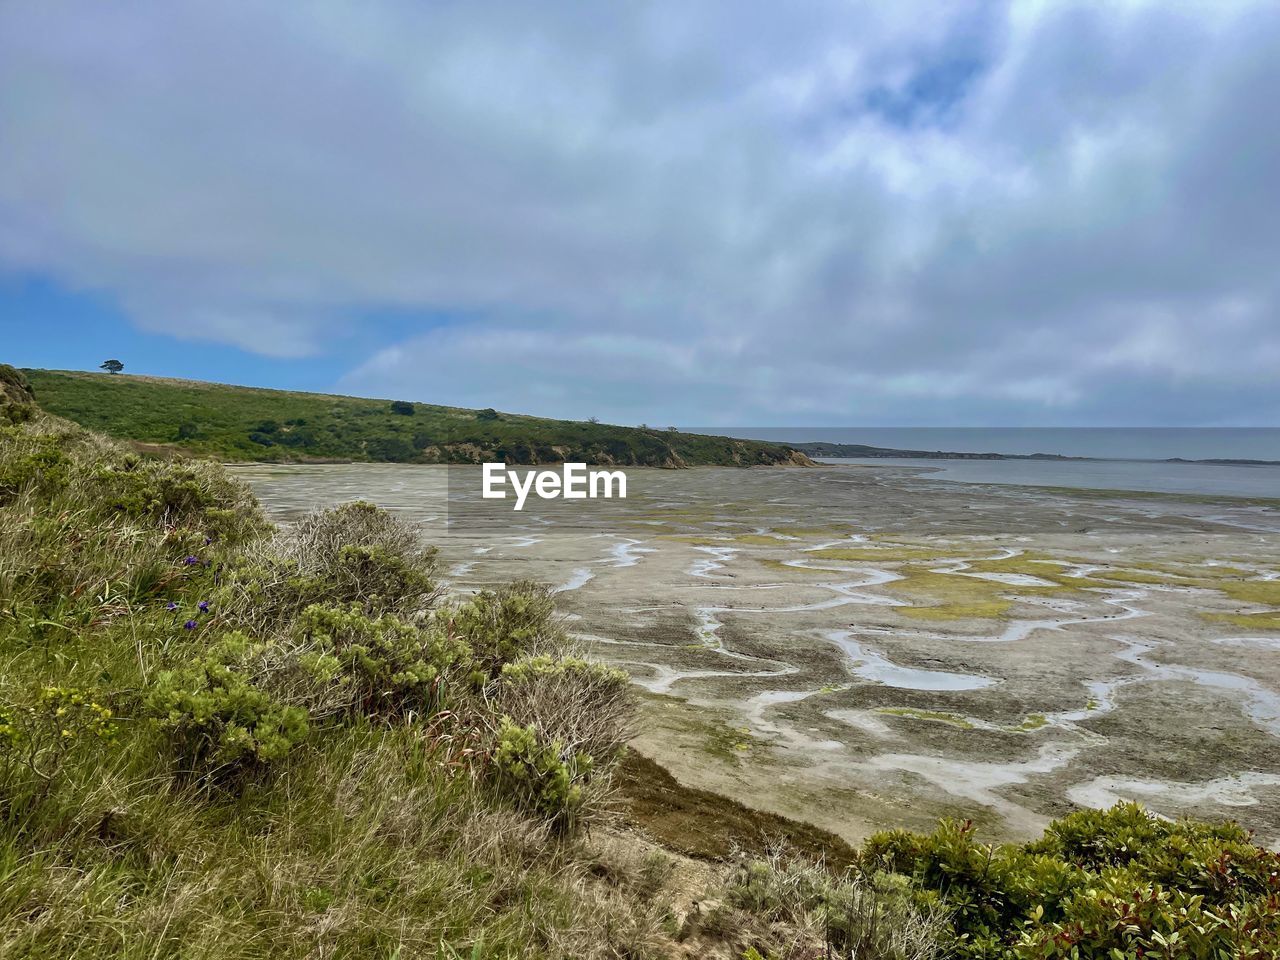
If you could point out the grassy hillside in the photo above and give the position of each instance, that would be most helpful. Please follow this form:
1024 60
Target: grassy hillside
246 423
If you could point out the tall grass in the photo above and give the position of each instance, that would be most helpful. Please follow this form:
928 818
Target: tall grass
378 833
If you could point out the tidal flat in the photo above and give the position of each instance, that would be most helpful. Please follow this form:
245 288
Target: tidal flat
862 647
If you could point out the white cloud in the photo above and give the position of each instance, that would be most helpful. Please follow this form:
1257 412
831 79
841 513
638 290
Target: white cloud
725 212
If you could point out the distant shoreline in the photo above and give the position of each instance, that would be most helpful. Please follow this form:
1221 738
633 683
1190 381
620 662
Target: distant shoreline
857 451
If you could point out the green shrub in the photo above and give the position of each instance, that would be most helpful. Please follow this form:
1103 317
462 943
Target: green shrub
541 776
37 736
353 553
391 449
16 413
219 720
1122 916
365 555
1100 883
380 580
585 705
876 916
179 494
368 666
502 625
29 461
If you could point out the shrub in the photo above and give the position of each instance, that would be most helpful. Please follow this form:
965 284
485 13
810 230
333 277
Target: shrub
879 917
883 916
989 889
403 407
391 449
1125 917
541 776
1113 883
380 580
30 461
360 665
14 386
16 413
584 705
218 720
38 736
354 553
191 495
316 541
502 625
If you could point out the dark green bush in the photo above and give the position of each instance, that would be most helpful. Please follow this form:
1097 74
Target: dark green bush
1100 883
179 494
353 553
380 580
16 413
391 449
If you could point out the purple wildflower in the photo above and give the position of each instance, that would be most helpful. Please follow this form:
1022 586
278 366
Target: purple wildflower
204 606
208 540
191 561
171 606
189 625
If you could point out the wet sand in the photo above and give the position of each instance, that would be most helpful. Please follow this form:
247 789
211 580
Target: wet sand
863 647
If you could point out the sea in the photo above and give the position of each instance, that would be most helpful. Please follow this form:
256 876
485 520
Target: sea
1128 458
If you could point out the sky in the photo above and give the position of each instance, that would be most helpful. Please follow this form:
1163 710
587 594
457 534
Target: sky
721 213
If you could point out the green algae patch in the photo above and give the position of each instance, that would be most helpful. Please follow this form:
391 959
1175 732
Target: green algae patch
1034 722
881 554
814 533
729 743
990 610
954 597
1249 621
694 540
1264 592
1039 565
1136 576
933 716
761 540
775 564
1261 592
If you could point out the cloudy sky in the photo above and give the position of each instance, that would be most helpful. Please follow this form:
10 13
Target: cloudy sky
746 212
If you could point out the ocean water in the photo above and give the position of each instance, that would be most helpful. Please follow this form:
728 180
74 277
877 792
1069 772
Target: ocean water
1123 443
1152 476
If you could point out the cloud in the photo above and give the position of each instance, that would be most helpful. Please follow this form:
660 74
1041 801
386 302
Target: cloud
718 212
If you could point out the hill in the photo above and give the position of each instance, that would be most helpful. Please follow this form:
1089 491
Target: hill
250 423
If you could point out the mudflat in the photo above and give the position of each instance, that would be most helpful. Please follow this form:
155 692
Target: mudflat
865 647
